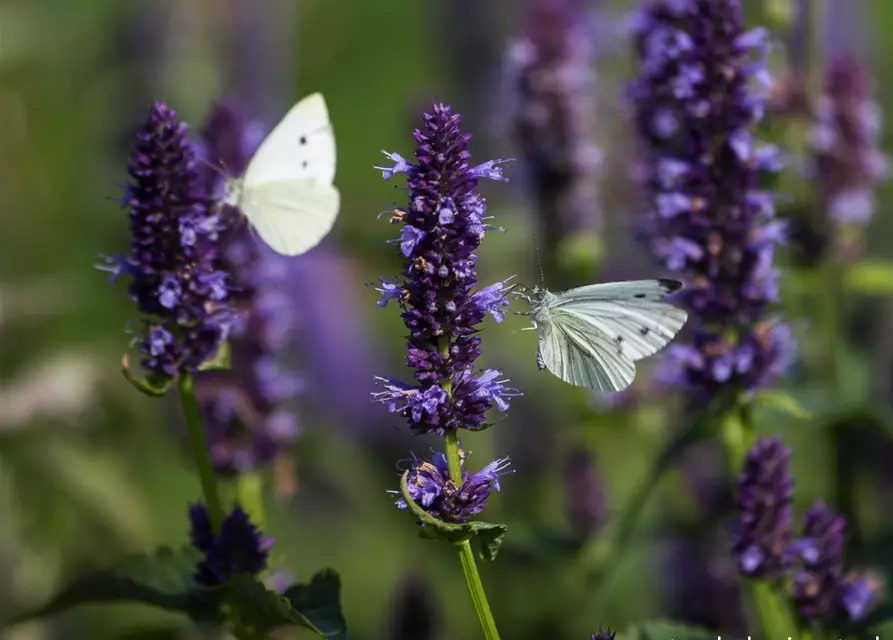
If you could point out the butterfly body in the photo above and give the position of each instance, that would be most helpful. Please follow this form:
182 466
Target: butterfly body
592 336
286 193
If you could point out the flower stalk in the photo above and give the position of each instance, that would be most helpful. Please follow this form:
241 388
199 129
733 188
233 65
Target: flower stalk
199 445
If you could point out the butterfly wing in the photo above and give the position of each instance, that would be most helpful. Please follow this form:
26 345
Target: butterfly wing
291 216
286 192
575 351
630 314
300 147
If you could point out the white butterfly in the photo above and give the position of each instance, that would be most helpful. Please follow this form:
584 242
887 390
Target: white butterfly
286 192
592 336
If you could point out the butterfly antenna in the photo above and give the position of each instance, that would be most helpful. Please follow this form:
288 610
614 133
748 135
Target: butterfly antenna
218 168
539 262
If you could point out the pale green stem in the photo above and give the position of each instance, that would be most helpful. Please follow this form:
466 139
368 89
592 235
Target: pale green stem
466 556
199 445
249 495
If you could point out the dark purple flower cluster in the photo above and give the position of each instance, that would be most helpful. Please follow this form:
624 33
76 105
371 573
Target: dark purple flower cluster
847 163
242 406
820 589
552 88
441 229
584 496
174 236
603 634
432 489
696 109
765 547
238 548
765 498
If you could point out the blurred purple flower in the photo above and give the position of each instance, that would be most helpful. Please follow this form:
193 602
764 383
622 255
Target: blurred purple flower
239 547
702 582
696 103
335 350
174 244
847 163
820 590
246 421
551 85
584 496
431 488
442 227
765 494
414 613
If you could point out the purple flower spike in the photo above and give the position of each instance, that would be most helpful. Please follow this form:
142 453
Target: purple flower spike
174 245
443 225
550 93
238 548
765 495
431 488
819 587
697 102
243 407
847 162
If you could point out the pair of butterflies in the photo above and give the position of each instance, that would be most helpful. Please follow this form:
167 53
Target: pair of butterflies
590 336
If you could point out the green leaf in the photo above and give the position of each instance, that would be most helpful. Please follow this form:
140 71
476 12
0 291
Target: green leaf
255 611
221 361
161 579
153 385
486 535
665 630
871 277
320 603
782 402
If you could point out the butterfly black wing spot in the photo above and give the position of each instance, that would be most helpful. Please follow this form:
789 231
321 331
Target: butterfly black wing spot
303 140
644 331
669 285
639 295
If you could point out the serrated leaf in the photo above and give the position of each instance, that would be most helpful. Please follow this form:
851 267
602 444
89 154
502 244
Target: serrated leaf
153 386
255 611
320 603
161 579
488 538
666 630
871 277
486 535
782 402
221 361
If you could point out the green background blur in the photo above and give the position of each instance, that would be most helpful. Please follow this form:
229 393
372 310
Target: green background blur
90 469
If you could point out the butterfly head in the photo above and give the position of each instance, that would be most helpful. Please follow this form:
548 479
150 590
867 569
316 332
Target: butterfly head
232 191
533 296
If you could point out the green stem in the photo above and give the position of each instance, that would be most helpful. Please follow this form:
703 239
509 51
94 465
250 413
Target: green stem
466 557
454 461
814 58
476 589
199 444
249 495
605 555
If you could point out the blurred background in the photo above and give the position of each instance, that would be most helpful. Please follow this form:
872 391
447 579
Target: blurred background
90 469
